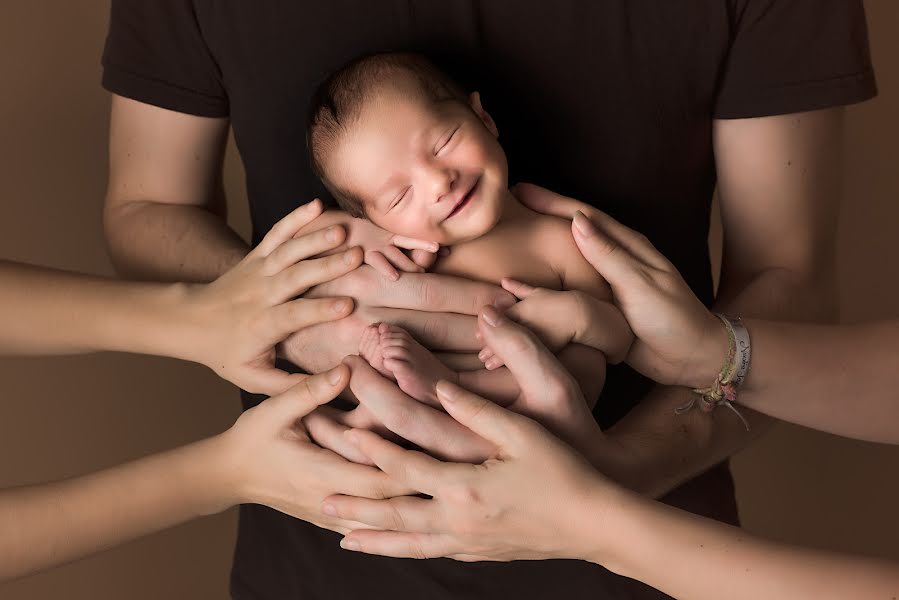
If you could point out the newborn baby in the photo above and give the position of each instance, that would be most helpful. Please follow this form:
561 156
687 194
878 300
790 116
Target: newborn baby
397 142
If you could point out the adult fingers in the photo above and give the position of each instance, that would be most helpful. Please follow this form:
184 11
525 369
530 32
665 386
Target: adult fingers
351 479
548 202
325 431
460 361
379 262
284 319
425 259
311 392
287 227
403 513
424 426
533 366
296 249
399 544
412 469
295 280
585 228
610 259
401 241
270 381
442 293
519 289
487 419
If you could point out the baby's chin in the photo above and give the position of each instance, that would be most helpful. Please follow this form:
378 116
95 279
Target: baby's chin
473 226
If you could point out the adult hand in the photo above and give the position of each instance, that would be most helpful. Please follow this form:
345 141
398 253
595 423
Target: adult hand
268 458
555 401
497 510
679 342
237 320
437 309
563 317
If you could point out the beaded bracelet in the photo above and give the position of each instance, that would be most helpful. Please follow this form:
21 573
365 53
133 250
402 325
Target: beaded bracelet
724 390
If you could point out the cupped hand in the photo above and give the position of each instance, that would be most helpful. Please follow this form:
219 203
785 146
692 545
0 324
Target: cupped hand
238 319
498 510
678 341
268 457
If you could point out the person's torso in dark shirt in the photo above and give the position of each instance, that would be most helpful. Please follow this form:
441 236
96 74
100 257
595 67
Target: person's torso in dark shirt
608 101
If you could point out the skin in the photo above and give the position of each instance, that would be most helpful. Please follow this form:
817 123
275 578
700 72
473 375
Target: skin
412 161
779 224
498 511
230 325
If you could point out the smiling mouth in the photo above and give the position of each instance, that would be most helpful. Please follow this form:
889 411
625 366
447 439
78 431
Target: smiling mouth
466 200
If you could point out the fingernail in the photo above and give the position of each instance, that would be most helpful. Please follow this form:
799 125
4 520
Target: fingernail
394 276
349 256
349 544
331 234
482 354
329 510
434 247
583 224
340 306
334 376
446 390
477 334
504 301
492 316
350 436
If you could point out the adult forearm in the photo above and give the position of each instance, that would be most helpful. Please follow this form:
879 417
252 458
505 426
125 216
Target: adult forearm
837 379
50 524
687 556
669 449
56 312
165 242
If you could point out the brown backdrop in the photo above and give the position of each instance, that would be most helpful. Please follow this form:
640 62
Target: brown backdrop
67 416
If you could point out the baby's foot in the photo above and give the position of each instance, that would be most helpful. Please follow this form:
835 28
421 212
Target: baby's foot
414 367
370 349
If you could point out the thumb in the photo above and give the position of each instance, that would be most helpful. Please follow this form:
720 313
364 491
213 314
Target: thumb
610 259
423 258
492 422
310 393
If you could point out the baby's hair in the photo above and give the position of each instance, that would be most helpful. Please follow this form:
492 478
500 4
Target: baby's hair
339 100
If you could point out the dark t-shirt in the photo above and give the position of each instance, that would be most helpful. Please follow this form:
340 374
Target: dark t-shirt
608 101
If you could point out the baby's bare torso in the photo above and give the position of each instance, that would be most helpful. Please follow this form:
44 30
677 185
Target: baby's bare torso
525 247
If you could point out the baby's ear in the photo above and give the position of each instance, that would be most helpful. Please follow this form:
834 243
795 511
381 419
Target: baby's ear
475 100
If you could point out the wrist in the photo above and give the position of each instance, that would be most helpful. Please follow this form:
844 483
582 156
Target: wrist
709 357
600 538
219 473
202 476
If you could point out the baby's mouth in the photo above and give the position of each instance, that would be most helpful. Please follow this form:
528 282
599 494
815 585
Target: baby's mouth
465 200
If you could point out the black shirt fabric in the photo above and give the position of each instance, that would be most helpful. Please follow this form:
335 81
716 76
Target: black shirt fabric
609 101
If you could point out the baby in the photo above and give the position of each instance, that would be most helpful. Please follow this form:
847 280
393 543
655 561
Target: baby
399 143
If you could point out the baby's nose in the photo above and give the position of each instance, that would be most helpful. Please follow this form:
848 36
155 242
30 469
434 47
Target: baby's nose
443 182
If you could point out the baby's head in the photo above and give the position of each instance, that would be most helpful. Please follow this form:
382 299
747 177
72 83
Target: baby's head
398 142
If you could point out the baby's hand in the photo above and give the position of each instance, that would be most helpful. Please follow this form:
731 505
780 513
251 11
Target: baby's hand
389 257
563 317
384 251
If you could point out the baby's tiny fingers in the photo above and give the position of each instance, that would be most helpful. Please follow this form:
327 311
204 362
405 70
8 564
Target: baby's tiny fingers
401 241
519 289
380 263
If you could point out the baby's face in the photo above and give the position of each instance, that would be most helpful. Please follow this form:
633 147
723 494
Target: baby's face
432 171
